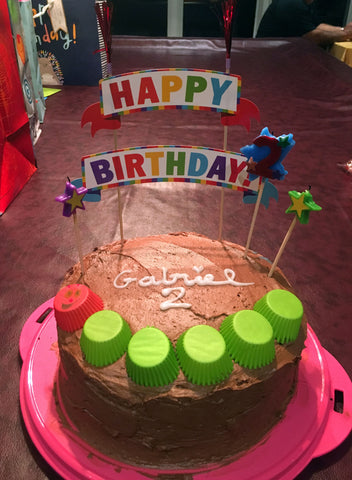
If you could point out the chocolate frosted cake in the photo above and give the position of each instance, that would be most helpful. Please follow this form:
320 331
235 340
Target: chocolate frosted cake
172 284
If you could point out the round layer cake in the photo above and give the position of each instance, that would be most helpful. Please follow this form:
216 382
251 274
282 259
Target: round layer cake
174 282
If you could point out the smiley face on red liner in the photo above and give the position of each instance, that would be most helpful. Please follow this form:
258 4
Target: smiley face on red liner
71 297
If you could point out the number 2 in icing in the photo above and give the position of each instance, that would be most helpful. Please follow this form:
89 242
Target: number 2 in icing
172 303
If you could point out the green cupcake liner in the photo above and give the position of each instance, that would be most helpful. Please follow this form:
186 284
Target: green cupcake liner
151 359
284 311
249 338
202 355
104 338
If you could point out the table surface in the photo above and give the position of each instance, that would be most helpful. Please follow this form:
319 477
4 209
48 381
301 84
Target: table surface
298 88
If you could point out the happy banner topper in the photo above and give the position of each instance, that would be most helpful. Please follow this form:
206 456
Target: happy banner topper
170 88
167 163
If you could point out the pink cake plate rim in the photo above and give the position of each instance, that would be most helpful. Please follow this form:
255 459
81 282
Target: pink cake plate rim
310 428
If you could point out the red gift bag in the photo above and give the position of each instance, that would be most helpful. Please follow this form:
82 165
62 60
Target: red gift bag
17 161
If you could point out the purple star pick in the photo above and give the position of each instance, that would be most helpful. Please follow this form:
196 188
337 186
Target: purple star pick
72 199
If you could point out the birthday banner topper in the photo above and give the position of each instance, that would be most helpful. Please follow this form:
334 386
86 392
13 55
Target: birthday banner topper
170 88
167 163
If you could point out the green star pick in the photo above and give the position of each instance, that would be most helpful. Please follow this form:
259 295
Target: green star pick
302 205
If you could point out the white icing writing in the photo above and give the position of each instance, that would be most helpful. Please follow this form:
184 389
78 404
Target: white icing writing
167 280
165 292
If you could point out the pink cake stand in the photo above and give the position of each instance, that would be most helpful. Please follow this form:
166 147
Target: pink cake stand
317 420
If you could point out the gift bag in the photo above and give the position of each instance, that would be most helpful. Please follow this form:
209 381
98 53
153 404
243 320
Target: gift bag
17 161
67 42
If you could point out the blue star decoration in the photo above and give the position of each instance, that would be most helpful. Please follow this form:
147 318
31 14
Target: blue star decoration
91 195
266 153
269 192
302 204
72 199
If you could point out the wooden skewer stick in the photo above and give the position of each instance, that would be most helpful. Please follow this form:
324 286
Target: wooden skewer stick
120 214
221 219
119 197
222 196
226 128
78 241
283 245
254 217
